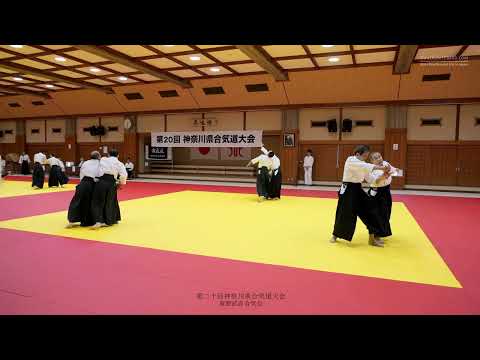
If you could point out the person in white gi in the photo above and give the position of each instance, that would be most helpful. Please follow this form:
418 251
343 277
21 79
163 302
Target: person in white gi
38 175
24 161
275 181
308 166
129 166
264 166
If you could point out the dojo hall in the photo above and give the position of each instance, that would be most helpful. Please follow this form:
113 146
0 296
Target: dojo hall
196 234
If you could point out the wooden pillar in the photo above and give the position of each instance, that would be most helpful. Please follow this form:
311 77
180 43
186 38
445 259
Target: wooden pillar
395 150
20 139
71 152
130 142
289 154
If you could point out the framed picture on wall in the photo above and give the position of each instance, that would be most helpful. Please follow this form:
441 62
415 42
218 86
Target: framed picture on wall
289 140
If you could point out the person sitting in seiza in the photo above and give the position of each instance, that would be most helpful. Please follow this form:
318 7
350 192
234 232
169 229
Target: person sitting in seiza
80 210
105 207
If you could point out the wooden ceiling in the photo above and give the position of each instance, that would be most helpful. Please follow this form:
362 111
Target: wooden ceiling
40 69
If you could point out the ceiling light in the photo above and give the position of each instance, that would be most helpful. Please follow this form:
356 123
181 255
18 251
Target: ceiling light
59 58
122 78
94 70
17 46
17 78
194 58
215 69
327 46
333 59
169 45
49 86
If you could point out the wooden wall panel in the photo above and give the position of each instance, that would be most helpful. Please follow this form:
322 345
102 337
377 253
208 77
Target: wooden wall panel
397 158
418 169
325 165
112 136
55 137
469 164
443 163
35 124
151 123
376 132
448 114
265 120
468 129
84 136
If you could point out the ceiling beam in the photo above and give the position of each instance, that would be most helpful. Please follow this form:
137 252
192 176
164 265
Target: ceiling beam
256 55
24 92
55 77
406 55
120 58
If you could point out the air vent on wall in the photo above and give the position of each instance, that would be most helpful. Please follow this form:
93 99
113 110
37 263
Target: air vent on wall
133 96
113 128
1 133
56 130
315 123
9 132
256 87
431 122
216 90
38 103
86 129
14 105
364 123
477 121
35 131
436 77
168 93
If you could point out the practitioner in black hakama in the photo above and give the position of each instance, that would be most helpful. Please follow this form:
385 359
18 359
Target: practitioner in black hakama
55 174
24 161
80 210
380 197
275 183
38 175
105 207
264 166
352 200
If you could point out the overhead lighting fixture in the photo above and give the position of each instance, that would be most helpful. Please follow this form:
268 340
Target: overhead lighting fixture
17 78
122 78
215 69
94 70
49 86
17 46
59 58
333 59
327 46
194 58
169 45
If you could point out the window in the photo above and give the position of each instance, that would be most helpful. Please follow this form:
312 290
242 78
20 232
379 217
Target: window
216 90
436 77
364 123
133 96
56 130
168 93
431 122
256 87
316 123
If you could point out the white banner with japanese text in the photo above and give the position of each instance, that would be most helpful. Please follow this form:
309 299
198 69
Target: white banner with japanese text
241 138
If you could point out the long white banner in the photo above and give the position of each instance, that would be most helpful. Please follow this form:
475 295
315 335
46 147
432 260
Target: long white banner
241 138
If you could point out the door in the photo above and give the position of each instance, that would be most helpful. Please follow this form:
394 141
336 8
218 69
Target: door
468 165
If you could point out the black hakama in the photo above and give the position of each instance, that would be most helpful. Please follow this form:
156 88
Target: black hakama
80 206
275 185
262 181
105 208
380 200
38 176
130 174
63 179
25 168
352 202
55 176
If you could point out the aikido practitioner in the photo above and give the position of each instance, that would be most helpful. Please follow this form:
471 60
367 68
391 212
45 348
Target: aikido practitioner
55 175
308 166
129 166
63 178
105 208
275 182
80 210
24 160
352 200
264 166
380 196
38 175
